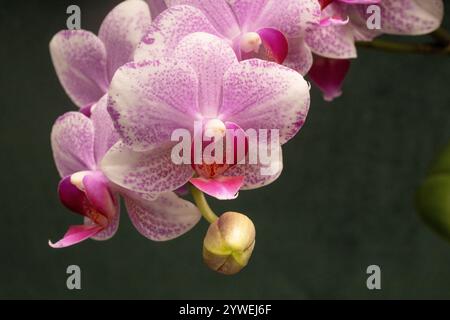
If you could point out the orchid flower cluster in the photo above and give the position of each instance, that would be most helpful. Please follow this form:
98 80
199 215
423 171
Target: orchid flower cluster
217 68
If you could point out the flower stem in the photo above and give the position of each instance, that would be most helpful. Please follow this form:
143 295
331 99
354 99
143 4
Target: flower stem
202 205
441 45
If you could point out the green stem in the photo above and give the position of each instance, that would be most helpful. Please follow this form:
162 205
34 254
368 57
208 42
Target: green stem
400 47
202 205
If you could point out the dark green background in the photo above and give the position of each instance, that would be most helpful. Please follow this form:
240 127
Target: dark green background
345 200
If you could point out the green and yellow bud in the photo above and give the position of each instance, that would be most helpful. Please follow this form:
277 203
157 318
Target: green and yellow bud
433 197
229 243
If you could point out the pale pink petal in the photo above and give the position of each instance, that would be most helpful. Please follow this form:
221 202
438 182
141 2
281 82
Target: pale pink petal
122 30
289 16
222 188
264 95
106 134
166 218
218 12
299 56
74 235
411 17
72 140
169 29
79 58
149 100
333 41
149 172
329 75
210 57
261 174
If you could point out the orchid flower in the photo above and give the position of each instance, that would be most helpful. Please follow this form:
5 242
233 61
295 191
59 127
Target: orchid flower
201 80
333 44
85 63
79 144
272 30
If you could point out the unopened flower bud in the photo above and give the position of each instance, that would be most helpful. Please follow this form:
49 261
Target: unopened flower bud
229 243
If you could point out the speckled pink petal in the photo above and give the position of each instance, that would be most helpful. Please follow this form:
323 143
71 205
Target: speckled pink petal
222 188
150 172
72 140
299 56
74 235
218 12
264 95
122 30
106 134
210 57
149 100
79 58
329 75
411 17
333 41
254 178
169 29
156 7
166 218
289 16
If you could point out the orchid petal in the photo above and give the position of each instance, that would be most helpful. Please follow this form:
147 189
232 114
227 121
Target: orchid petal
222 188
149 100
166 218
218 12
79 58
122 30
156 7
105 133
299 56
169 29
210 57
150 172
328 75
411 17
289 17
74 235
333 41
261 174
72 141
264 95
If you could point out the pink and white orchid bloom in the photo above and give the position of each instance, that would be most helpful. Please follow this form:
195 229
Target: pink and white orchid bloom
79 144
201 80
85 63
335 42
272 30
